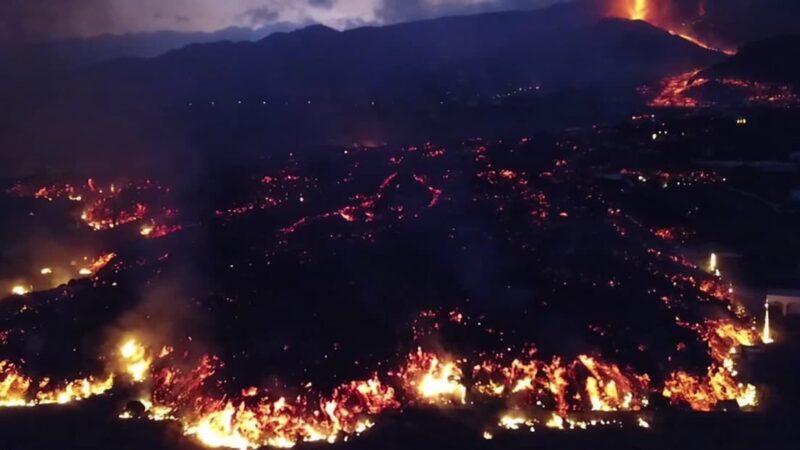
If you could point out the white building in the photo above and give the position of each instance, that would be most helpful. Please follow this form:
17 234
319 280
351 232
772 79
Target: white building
787 300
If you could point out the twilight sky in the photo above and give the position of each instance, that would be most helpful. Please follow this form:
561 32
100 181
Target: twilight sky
27 20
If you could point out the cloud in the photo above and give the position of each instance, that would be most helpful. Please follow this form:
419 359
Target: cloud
26 20
260 16
321 3
402 10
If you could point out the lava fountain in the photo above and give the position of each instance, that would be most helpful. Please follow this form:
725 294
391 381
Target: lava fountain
664 15
637 9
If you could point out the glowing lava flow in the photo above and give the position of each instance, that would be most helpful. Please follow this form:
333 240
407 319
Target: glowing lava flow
257 418
724 340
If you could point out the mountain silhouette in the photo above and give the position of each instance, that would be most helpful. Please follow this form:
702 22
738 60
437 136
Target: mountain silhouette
318 85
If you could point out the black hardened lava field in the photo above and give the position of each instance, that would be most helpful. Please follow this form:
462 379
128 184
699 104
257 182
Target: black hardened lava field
378 224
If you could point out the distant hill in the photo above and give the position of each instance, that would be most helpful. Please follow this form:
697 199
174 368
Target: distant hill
32 59
318 85
772 60
563 46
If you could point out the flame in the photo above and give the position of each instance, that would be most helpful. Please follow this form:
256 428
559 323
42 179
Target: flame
17 389
555 421
135 361
609 390
74 390
434 380
637 9
218 429
20 290
724 338
533 382
97 264
283 422
513 421
703 393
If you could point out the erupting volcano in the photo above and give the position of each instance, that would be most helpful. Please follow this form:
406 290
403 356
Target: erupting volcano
679 18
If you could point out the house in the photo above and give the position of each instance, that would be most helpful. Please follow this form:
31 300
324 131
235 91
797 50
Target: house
787 299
